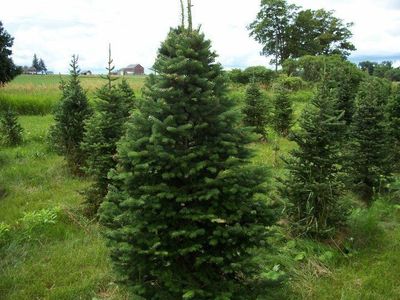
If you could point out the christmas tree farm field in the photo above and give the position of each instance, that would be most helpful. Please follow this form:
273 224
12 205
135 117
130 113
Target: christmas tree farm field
49 250
37 94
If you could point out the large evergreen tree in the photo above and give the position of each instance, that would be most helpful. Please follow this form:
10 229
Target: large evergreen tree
313 185
70 115
8 70
183 213
104 129
369 158
256 110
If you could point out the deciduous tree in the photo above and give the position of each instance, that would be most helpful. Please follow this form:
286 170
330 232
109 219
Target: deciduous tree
285 32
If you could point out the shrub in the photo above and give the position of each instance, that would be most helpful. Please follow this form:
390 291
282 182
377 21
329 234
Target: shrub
257 74
291 83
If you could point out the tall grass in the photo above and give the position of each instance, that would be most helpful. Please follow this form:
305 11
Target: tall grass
37 94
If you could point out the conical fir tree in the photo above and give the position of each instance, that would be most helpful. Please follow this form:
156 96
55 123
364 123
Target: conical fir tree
255 110
313 186
283 112
10 129
369 158
393 117
103 130
70 114
185 212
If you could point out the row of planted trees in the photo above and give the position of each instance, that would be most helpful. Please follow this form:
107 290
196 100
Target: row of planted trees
347 141
183 208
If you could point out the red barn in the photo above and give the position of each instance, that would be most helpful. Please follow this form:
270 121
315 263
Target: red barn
135 69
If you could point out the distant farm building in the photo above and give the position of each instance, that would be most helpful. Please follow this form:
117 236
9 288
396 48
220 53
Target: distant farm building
86 72
29 70
135 69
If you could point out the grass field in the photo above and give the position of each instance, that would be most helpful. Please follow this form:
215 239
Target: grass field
49 250
37 94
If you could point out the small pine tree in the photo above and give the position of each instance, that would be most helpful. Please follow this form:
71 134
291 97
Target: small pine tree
183 212
369 157
255 110
103 130
70 114
283 112
10 130
313 186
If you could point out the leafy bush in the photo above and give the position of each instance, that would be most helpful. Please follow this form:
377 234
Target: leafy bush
312 68
291 83
237 76
257 74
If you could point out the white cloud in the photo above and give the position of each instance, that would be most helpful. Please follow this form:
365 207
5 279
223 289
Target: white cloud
57 29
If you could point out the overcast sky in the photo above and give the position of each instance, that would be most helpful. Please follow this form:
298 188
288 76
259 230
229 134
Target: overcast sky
56 29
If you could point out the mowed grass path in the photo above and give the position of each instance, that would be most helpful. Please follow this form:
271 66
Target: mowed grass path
37 94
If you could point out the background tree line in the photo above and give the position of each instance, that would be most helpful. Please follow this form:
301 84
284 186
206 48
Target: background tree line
288 31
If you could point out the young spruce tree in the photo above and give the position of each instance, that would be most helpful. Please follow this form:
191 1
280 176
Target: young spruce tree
70 114
369 158
393 118
313 186
183 214
103 130
10 130
283 112
255 110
